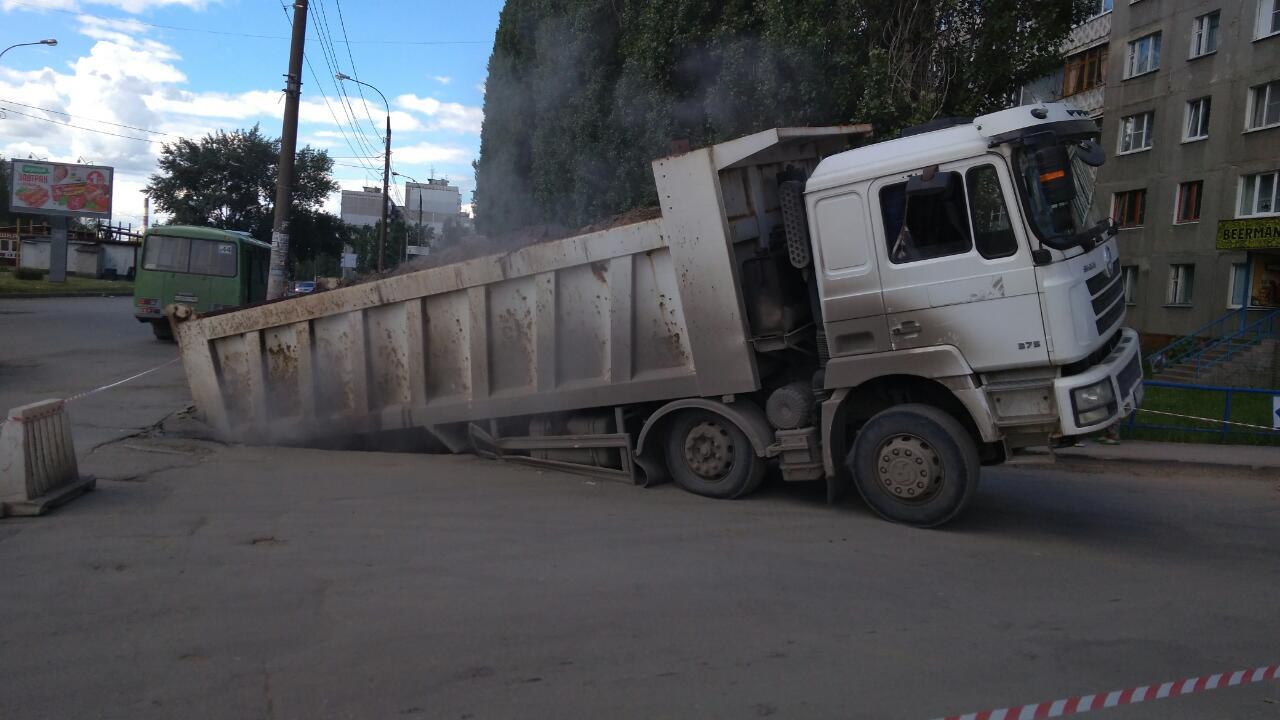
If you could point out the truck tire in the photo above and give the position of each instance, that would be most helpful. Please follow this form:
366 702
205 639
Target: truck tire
708 455
914 464
162 330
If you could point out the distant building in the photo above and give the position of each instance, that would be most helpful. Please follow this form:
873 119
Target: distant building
432 204
363 207
1081 80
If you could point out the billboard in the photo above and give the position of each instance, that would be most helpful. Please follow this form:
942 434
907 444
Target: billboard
52 188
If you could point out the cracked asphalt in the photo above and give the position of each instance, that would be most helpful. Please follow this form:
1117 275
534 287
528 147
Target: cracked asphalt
59 347
209 581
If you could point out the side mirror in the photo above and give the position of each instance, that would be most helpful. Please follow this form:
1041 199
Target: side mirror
1054 168
930 182
1091 153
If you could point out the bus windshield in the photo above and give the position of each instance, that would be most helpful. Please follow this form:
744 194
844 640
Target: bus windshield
193 256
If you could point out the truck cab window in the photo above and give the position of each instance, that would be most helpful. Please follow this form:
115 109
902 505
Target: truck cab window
993 233
925 227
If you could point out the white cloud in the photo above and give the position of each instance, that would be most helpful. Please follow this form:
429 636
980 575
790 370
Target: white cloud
451 116
426 153
442 79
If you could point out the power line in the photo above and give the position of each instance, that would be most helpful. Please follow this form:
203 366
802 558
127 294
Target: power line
356 75
241 34
73 117
79 127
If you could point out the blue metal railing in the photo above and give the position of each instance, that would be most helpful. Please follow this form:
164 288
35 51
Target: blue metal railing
1188 345
1236 343
1223 427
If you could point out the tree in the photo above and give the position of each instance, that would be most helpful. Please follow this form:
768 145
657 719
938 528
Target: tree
582 95
227 180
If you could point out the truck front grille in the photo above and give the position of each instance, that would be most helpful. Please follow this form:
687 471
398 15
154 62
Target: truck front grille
1107 294
1130 375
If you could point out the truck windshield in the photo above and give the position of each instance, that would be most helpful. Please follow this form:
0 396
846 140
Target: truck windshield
1056 223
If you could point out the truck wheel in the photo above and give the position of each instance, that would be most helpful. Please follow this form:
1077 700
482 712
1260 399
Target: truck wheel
914 464
709 455
162 330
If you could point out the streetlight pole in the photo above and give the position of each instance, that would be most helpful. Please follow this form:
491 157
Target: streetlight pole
386 168
51 42
418 232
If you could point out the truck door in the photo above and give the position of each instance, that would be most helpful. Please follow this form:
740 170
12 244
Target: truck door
956 270
848 275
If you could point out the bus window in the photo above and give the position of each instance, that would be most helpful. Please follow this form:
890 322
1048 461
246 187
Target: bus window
169 254
210 257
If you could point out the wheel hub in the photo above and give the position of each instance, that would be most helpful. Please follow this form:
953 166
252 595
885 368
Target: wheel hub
708 450
909 468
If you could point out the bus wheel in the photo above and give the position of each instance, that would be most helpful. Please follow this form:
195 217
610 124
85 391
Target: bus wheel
915 464
709 455
162 330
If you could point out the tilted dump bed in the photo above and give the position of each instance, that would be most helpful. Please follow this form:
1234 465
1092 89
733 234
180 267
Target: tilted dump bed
637 313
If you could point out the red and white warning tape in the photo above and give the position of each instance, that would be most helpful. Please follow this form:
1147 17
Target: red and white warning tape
1211 421
1131 696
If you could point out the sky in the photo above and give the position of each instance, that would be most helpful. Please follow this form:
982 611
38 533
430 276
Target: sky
129 75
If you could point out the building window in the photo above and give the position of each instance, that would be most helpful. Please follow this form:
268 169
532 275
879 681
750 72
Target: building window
1130 284
1197 125
1181 281
1239 294
1135 132
1268 18
1100 7
1264 105
1188 202
1259 195
1128 208
1204 34
1085 71
1144 55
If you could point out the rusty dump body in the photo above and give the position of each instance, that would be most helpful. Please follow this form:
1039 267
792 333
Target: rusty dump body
623 318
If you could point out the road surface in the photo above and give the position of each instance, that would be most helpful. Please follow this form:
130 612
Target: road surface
279 583
59 347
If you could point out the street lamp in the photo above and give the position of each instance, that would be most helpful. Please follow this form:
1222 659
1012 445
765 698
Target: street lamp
418 232
50 42
386 167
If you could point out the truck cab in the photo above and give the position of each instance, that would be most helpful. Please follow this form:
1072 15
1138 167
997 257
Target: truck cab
968 255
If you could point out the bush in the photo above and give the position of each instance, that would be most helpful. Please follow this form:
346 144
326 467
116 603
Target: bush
26 273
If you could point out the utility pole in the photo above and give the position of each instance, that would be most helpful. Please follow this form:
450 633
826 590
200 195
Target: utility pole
277 280
386 196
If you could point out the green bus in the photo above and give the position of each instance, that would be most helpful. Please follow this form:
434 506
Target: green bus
204 268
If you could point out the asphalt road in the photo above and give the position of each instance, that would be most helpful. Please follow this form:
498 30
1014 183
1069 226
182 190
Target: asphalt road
59 347
279 583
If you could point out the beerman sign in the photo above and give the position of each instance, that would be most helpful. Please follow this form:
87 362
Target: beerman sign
1255 234
51 188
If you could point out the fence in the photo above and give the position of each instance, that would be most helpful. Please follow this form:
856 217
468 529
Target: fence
1204 413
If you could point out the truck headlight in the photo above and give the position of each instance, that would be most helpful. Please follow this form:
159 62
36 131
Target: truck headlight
1093 403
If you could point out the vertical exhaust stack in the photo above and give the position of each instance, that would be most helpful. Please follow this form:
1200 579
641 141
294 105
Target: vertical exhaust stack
38 460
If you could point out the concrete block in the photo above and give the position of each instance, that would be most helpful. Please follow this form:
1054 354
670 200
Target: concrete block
38 467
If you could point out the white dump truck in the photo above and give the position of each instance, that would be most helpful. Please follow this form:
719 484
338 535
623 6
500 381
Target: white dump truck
892 316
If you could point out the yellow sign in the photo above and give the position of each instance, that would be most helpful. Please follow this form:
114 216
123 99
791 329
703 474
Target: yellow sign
1255 234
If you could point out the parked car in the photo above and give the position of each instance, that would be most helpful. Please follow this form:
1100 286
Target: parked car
302 287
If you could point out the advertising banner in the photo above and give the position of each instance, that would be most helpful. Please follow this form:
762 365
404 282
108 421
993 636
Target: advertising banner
1248 234
52 188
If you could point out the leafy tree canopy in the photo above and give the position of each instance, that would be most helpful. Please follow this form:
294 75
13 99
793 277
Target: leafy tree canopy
228 180
582 95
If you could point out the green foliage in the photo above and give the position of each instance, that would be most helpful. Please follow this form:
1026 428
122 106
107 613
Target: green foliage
365 242
27 273
228 180
6 217
582 95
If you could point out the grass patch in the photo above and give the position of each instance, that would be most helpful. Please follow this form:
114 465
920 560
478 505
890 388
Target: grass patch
1249 408
10 284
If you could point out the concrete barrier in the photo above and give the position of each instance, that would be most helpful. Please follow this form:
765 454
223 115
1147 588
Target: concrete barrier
38 460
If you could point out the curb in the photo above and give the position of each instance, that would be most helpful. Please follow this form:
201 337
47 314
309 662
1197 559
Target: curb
34 296
1066 458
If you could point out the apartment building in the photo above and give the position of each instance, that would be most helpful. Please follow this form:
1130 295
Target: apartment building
1187 93
1192 122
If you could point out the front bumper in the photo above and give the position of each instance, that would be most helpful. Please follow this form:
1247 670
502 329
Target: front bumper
1123 368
